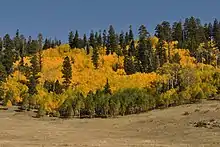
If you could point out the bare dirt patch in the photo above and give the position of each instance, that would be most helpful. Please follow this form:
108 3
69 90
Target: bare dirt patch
159 128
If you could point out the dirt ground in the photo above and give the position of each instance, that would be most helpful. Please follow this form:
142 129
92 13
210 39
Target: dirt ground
171 127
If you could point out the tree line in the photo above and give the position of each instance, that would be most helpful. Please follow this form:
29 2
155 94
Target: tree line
139 54
180 84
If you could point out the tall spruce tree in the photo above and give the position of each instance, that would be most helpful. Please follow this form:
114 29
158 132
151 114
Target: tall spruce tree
104 38
33 78
22 51
3 76
58 87
177 33
67 72
216 33
122 43
127 39
87 49
132 49
144 52
84 41
112 41
99 39
71 37
208 31
92 41
96 38
193 34
161 56
34 47
8 54
163 31
76 40
129 65
131 35
40 48
17 43
95 57
28 46
46 44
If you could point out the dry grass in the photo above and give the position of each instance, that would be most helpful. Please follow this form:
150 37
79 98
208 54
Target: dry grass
158 128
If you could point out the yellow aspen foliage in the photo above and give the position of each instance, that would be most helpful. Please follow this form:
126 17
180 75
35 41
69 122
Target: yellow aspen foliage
185 59
86 78
9 103
154 41
17 88
169 97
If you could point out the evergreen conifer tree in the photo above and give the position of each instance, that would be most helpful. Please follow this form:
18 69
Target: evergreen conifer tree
67 72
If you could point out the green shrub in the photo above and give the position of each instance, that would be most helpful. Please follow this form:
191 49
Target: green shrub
66 109
41 111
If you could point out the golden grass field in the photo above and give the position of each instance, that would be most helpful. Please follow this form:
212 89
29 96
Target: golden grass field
158 128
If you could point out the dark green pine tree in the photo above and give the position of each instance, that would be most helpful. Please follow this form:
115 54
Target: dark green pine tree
129 65
58 87
193 34
104 38
163 31
17 40
71 37
112 41
177 33
127 39
1 45
3 73
76 40
118 50
59 42
3 76
132 49
216 33
33 78
52 44
95 57
96 38
28 46
107 88
46 44
56 42
84 41
40 48
22 51
122 43
131 35
87 49
17 43
208 31
201 35
33 48
160 54
99 39
144 52
67 72
92 41
8 54
121 39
